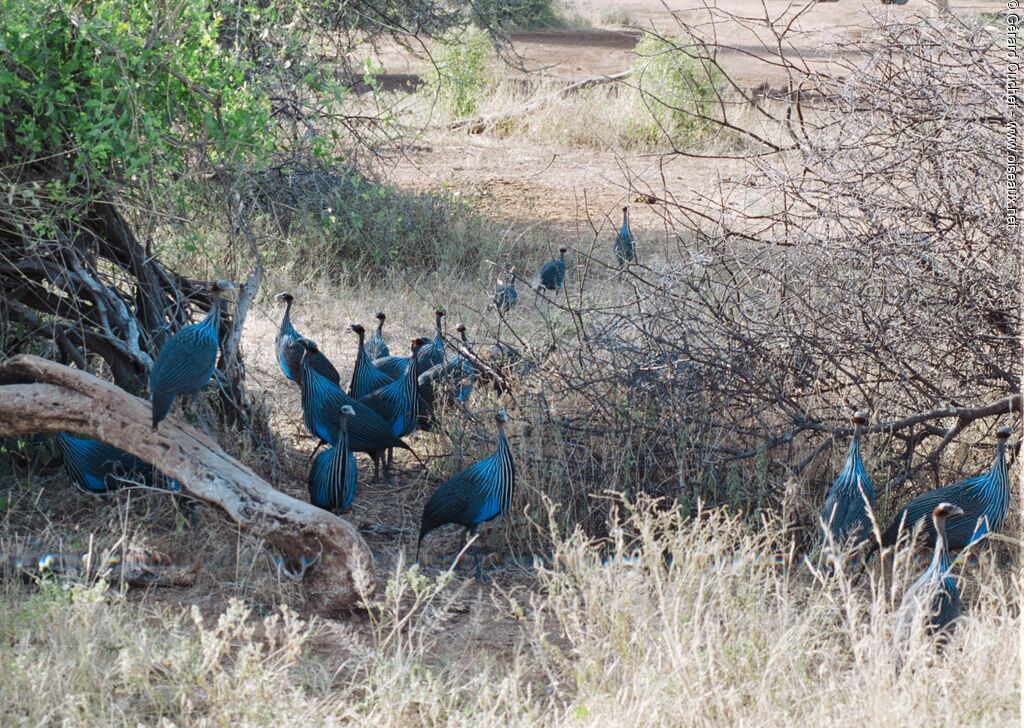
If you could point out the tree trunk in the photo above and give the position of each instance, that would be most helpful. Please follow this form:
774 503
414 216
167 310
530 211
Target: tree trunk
37 395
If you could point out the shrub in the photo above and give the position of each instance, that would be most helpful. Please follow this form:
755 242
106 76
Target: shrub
679 90
459 77
338 222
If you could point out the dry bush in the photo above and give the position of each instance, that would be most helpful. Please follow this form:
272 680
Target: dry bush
862 262
700 621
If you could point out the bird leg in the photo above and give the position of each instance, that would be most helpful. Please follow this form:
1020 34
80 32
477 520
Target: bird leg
375 456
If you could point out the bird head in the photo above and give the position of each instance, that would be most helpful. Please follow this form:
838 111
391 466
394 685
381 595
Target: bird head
380 316
461 328
946 510
284 297
439 313
501 416
1003 434
860 417
563 250
358 329
347 411
418 342
219 286
309 346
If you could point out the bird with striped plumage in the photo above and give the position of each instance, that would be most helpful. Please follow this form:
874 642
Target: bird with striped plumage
187 360
552 274
432 353
290 350
97 467
505 294
624 252
398 401
457 373
933 598
478 494
332 479
322 401
847 515
984 500
366 378
454 376
376 347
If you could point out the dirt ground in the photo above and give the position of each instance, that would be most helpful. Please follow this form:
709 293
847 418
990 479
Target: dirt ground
525 184
568 190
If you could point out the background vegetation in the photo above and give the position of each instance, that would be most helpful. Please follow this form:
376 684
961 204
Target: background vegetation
674 425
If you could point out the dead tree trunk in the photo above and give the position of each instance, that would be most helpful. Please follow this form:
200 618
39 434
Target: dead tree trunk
37 395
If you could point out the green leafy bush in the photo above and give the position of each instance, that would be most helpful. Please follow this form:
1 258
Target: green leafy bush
459 78
678 89
108 89
339 223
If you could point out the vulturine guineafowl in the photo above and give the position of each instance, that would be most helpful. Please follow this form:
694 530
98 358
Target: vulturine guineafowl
366 377
552 274
97 467
332 479
398 401
846 517
624 241
984 501
290 349
505 294
479 493
376 347
187 360
453 378
322 401
934 598
432 353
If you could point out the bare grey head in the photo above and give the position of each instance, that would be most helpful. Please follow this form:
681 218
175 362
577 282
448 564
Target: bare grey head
944 511
284 297
219 286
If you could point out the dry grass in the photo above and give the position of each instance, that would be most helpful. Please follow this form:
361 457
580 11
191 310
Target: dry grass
710 621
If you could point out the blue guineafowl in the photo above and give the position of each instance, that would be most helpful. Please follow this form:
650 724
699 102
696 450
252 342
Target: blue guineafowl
479 493
187 360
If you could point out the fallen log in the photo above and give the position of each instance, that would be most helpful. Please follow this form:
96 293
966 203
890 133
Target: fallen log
37 395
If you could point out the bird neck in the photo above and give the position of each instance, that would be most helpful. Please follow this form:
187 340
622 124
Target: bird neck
940 559
503 446
380 327
213 315
286 320
625 218
853 454
999 464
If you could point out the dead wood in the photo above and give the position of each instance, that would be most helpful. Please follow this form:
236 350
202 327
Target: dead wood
37 395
